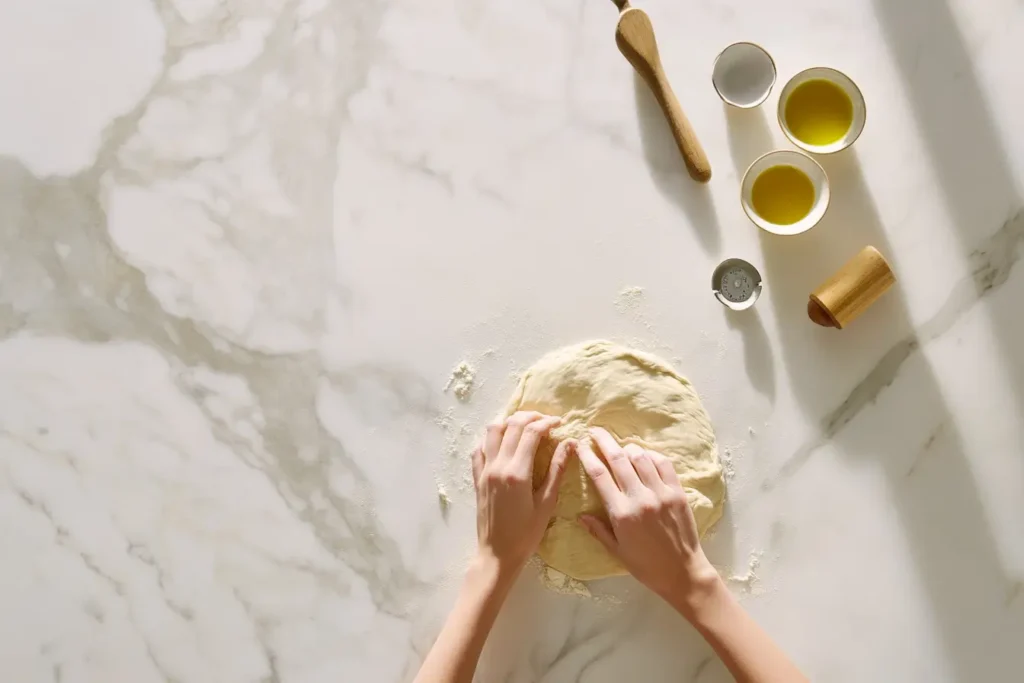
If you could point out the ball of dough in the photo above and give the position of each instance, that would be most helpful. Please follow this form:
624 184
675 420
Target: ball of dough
639 399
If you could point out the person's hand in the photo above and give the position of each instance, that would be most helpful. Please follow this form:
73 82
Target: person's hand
511 516
651 529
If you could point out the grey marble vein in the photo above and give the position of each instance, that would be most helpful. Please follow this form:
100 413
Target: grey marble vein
991 265
65 540
1015 591
926 449
95 294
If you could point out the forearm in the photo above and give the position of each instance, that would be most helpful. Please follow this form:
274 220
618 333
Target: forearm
454 655
746 650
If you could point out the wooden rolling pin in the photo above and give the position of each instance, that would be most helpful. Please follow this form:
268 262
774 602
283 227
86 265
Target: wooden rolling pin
850 292
635 37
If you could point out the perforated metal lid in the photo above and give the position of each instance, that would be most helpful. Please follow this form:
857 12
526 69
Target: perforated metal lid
736 283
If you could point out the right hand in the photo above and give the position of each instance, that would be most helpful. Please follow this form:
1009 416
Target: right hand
651 527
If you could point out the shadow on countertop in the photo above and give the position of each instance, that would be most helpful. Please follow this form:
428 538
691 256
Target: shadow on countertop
749 137
667 169
757 350
957 557
938 504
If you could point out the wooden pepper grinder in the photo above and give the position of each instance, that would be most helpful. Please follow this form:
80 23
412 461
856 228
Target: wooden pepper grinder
634 35
850 292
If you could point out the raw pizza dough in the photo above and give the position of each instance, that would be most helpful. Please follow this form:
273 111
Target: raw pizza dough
639 399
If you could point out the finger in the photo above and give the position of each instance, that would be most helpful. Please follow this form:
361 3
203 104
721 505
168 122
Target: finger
599 475
618 463
644 466
478 464
492 440
600 530
514 427
533 433
665 470
547 495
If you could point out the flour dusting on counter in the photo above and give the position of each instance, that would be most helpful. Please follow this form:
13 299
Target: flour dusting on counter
749 580
444 502
461 381
629 300
453 474
559 582
727 465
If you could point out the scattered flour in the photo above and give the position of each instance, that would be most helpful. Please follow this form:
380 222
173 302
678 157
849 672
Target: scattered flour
748 581
461 381
558 582
630 300
443 501
727 466
454 472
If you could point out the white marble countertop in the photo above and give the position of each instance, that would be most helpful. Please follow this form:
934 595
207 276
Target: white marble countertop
244 243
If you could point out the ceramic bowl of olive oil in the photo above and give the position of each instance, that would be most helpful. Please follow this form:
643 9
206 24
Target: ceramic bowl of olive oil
785 192
822 110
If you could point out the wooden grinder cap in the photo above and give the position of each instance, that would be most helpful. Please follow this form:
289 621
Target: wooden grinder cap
850 292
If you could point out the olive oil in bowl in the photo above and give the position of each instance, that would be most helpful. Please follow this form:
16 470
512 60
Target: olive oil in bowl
782 195
819 112
784 192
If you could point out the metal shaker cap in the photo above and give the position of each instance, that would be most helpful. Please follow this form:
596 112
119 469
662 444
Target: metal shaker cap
736 283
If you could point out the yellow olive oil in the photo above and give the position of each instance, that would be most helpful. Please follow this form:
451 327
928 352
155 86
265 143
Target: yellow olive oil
782 195
819 112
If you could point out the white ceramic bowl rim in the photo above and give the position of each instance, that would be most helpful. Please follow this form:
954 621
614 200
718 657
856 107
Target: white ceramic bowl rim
758 89
860 110
787 157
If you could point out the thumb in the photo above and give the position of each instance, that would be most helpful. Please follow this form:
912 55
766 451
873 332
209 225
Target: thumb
547 495
600 530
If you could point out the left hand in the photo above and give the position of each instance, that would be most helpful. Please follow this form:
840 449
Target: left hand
511 516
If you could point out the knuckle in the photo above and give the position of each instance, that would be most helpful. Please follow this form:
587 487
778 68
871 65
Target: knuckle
495 427
503 477
614 454
647 508
618 518
631 515
520 419
675 497
536 428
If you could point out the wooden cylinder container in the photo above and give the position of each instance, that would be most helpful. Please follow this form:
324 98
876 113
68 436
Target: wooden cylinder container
848 293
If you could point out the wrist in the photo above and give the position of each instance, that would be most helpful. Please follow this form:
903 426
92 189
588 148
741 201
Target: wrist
704 592
492 572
